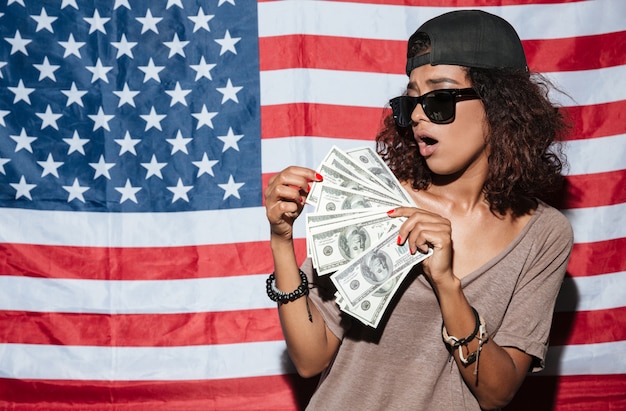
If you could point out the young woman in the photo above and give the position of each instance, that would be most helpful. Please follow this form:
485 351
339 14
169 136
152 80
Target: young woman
471 141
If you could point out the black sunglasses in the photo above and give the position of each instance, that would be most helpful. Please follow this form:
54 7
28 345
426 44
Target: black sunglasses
439 105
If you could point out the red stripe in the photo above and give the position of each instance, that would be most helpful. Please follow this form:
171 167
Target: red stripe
284 392
320 120
571 393
362 123
161 263
459 3
602 257
594 190
588 327
385 56
599 120
140 330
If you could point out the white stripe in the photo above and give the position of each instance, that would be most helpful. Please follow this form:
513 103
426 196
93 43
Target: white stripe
50 362
596 155
24 361
134 297
584 156
587 359
279 153
389 22
243 225
597 292
133 229
361 89
598 223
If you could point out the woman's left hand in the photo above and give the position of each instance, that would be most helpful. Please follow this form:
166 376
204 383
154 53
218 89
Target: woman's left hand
423 230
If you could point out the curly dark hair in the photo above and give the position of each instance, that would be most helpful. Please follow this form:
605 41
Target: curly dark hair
525 160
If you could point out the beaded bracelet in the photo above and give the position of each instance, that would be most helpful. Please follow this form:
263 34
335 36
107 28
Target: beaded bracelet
282 297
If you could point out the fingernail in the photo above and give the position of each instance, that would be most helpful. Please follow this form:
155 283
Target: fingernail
390 212
308 187
399 240
318 177
411 250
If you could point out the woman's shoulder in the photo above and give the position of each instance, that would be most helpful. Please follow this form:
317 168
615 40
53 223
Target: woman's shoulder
549 220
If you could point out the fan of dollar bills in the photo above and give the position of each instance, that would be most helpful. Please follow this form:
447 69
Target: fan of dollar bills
350 236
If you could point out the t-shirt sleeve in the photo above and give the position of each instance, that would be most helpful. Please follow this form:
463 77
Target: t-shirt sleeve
322 295
526 326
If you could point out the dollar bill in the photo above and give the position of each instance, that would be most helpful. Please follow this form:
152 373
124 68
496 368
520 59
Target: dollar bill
334 198
337 244
371 309
381 262
343 178
368 159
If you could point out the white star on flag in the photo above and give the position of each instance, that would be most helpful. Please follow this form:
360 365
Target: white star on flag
180 191
231 188
23 141
178 95
76 143
153 168
75 191
50 166
21 92
127 144
124 47
74 95
179 143
204 117
99 71
153 119
203 69
201 21
230 140
49 119
128 192
101 120
176 46
23 189
71 46
149 23
18 44
102 168
228 43
126 96
96 23
44 21
229 92
205 165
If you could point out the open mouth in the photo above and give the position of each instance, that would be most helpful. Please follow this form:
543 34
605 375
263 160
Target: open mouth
428 141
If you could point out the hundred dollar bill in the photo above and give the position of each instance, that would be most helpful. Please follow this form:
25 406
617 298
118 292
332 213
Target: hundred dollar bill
371 309
342 178
381 262
333 198
367 158
337 244
342 161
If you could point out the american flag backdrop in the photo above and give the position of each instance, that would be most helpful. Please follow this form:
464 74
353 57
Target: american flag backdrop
136 137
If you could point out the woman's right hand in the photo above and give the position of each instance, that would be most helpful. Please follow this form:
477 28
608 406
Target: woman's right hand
285 197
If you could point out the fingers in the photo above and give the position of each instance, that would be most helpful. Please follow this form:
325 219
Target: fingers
286 193
423 230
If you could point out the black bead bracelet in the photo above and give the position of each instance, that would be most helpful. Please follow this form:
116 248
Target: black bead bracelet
282 297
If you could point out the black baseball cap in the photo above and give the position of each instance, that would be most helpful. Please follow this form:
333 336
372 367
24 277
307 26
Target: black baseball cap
470 38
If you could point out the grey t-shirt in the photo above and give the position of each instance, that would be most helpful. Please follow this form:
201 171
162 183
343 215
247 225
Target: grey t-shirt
404 363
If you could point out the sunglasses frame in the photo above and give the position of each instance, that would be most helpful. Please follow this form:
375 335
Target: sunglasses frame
459 94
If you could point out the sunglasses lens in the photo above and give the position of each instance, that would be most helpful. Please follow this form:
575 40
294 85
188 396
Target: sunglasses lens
402 108
439 106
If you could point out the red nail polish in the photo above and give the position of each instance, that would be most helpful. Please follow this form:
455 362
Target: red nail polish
399 240
318 177
390 212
